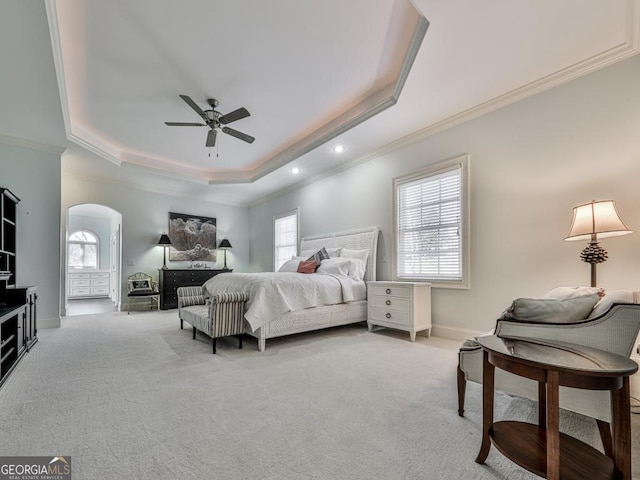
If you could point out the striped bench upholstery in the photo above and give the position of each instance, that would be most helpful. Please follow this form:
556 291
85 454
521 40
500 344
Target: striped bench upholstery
221 316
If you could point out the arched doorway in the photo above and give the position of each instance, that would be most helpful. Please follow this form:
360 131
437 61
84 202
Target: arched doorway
93 260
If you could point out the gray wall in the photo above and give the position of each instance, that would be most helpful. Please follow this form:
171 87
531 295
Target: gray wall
531 163
34 176
145 216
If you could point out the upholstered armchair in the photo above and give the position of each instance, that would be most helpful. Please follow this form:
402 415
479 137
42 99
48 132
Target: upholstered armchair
613 325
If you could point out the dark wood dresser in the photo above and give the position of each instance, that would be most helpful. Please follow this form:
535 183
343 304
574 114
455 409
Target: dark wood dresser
170 279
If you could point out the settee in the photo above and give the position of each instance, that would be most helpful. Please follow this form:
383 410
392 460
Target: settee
612 325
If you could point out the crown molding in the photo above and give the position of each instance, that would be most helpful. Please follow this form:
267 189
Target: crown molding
31 144
602 60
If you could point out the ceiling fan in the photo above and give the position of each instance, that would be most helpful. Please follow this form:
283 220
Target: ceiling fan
214 119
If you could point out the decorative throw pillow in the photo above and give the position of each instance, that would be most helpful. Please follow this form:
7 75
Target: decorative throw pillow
546 310
307 266
319 256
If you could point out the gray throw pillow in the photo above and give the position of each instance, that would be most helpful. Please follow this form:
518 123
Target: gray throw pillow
544 310
319 256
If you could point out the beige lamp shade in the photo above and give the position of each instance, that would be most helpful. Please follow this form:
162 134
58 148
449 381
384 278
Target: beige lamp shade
596 220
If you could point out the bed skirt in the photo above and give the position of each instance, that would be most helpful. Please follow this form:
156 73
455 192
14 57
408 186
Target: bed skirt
310 319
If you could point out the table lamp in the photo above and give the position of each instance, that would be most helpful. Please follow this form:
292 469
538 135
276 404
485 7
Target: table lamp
164 242
225 245
593 221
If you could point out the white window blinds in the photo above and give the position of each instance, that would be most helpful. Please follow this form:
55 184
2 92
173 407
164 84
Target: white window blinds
429 226
285 228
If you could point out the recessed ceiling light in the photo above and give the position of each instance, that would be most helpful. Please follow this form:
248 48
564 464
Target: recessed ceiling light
338 149
295 170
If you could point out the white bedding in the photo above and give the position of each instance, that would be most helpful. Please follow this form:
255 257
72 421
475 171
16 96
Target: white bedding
272 294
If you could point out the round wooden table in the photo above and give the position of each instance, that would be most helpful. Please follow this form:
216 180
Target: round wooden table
541 448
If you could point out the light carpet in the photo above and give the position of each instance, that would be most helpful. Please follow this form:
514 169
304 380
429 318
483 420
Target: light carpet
134 397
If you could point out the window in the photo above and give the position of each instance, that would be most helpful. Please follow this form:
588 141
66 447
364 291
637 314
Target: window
285 237
431 224
83 250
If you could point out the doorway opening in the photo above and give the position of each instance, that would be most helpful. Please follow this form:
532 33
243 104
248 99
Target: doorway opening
93 260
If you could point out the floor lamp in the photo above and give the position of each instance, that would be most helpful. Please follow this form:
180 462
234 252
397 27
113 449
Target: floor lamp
164 242
594 221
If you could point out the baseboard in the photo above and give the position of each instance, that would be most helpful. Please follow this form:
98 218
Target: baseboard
49 322
453 333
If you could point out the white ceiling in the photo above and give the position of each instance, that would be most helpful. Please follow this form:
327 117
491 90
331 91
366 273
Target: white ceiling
312 75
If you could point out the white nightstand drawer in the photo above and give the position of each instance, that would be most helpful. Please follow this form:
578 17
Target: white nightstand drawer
99 281
390 303
100 275
386 317
99 290
390 290
80 283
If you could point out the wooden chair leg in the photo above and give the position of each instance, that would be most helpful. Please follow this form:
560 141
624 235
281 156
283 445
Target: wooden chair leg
240 341
213 345
181 326
462 387
605 435
194 333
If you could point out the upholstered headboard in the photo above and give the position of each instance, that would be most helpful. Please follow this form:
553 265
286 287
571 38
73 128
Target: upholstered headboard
366 238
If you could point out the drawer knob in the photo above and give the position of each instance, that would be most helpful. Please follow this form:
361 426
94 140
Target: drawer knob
388 302
388 291
388 315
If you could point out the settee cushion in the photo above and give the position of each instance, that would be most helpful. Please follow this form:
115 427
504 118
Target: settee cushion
546 310
197 316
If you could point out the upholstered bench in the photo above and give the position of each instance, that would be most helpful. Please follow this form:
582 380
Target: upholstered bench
219 316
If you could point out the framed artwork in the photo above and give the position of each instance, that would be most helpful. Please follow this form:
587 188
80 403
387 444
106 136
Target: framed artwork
192 238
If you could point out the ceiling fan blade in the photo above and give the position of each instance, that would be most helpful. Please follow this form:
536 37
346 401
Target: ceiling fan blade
211 138
235 115
237 134
183 124
194 105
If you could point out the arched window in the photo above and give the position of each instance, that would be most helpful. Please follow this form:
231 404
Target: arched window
83 249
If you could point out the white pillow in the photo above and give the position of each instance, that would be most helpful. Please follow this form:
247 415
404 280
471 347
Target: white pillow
334 252
617 296
360 266
563 293
358 254
289 266
336 266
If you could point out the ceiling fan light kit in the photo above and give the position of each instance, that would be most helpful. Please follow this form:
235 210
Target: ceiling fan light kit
214 119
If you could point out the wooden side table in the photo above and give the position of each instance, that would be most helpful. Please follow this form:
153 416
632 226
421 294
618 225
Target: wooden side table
541 448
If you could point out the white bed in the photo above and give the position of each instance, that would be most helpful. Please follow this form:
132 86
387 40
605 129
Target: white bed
263 315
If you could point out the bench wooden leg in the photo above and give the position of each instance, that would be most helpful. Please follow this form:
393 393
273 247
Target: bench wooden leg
240 341
194 333
181 326
213 345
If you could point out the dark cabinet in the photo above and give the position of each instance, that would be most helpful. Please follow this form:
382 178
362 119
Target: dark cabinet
18 329
26 296
171 279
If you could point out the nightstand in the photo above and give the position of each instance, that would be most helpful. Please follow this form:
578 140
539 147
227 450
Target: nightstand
400 305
